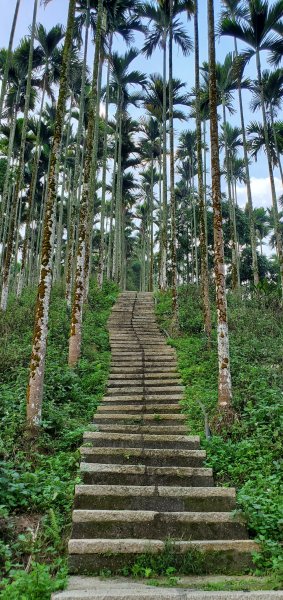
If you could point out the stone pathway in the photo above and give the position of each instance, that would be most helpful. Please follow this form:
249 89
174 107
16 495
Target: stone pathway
143 477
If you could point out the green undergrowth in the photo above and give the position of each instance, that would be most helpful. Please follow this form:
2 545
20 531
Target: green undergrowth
229 584
37 484
247 456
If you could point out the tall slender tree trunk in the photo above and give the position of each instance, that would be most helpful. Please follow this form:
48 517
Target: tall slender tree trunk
233 233
20 178
201 203
172 179
110 258
248 183
8 58
58 253
101 260
224 380
163 236
37 364
7 187
276 142
278 237
93 182
151 258
75 195
30 198
118 203
77 306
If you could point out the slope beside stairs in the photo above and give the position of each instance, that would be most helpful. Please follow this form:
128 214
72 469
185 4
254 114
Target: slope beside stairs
143 477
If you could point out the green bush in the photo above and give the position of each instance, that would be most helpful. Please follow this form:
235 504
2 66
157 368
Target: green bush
249 454
40 480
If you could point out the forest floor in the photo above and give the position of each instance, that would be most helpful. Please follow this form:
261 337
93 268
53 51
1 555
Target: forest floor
37 484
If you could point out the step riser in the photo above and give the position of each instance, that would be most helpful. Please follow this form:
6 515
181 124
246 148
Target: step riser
229 562
143 429
148 372
159 530
167 461
145 479
115 401
138 421
135 414
148 398
145 444
143 389
158 503
162 385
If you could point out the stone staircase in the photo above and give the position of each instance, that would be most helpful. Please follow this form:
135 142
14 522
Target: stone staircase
143 477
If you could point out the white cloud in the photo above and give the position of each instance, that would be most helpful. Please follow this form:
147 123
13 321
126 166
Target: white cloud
261 192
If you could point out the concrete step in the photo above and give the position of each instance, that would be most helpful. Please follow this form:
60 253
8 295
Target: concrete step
93 588
99 473
134 409
157 525
127 370
88 555
162 377
182 442
115 382
149 389
144 398
162 498
144 429
136 456
145 419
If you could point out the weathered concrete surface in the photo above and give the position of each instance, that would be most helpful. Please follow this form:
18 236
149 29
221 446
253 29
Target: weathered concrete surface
89 588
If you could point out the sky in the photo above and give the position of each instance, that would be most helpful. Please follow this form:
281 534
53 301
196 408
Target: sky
183 67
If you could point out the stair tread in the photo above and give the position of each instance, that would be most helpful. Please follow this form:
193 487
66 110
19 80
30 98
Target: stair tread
142 469
139 546
150 515
151 490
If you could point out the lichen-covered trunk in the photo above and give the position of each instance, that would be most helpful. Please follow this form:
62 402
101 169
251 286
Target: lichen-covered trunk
58 253
77 306
20 177
224 379
37 364
34 261
277 230
8 58
74 196
201 198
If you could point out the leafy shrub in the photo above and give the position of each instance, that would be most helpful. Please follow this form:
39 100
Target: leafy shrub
248 455
41 480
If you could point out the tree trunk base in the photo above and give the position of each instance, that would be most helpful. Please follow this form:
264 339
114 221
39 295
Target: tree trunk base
224 419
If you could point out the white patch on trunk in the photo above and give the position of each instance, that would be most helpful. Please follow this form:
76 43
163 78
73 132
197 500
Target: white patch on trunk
4 295
225 384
